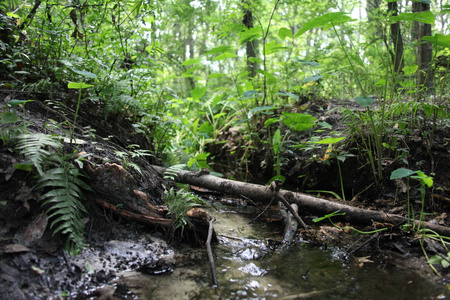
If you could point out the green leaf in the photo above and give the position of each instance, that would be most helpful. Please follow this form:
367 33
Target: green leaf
273 47
283 33
78 85
435 260
364 101
298 121
224 56
270 121
15 102
84 73
276 142
220 49
426 17
192 61
198 92
326 20
409 70
260 108
250 34
330 140
438 39
312 78
289 94
401 173
23 166
8 118
425 179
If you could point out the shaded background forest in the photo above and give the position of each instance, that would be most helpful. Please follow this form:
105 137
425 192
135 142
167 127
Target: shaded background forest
248 84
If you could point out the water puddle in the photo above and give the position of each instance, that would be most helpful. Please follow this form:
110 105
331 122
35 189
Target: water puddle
248 267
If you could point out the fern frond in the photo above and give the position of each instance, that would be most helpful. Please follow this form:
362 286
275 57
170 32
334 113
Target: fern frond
64 203
173 171
36 148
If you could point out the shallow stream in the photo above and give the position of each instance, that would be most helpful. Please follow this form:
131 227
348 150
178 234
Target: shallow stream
249 268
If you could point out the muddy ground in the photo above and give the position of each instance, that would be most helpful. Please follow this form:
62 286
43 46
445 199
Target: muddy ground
34 265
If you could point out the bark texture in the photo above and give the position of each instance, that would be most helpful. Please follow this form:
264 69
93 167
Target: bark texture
306 203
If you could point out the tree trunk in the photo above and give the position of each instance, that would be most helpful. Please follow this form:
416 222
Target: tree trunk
305 202
250 46
397 40
424 50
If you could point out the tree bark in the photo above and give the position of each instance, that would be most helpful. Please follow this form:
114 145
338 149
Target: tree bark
306 203
424 50
250 46
397 40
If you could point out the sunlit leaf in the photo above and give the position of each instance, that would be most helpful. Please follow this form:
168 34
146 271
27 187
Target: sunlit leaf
224 56
220 49
273 47
250 34
298 121
426 17
289 94
425 179
438 39
283 33
409 70
192 61
276 142
330 140
326 20
78 85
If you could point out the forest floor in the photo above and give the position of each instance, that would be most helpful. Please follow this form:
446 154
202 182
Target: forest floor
33 264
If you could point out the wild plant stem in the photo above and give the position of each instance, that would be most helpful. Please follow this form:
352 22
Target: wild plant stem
75 118
341 179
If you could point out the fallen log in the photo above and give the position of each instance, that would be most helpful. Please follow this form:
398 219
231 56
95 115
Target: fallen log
306 203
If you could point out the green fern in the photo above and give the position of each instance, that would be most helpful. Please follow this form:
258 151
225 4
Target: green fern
60 179
64 201
38 148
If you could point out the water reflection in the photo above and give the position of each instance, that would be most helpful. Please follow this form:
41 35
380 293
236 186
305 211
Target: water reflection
247 268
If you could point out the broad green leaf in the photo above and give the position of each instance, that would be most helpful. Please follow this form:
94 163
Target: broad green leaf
283 33
381 82
289 94
15 102
216 75
409 70
438 39
308 63
401 172
298 121
364 101
330 140
270 121
8 118
250 34
198 92
84 73
426 17
276 142
224 56
273 47
220 49
259 108
312 78
24 166
78 85
249 94
192 61
435 260
326 20
425 179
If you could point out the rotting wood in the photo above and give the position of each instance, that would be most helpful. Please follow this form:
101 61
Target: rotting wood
133 216
291 226
305 202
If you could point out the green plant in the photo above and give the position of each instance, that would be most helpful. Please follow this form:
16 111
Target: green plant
424 180
59 179
338 213
179 202
79 86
